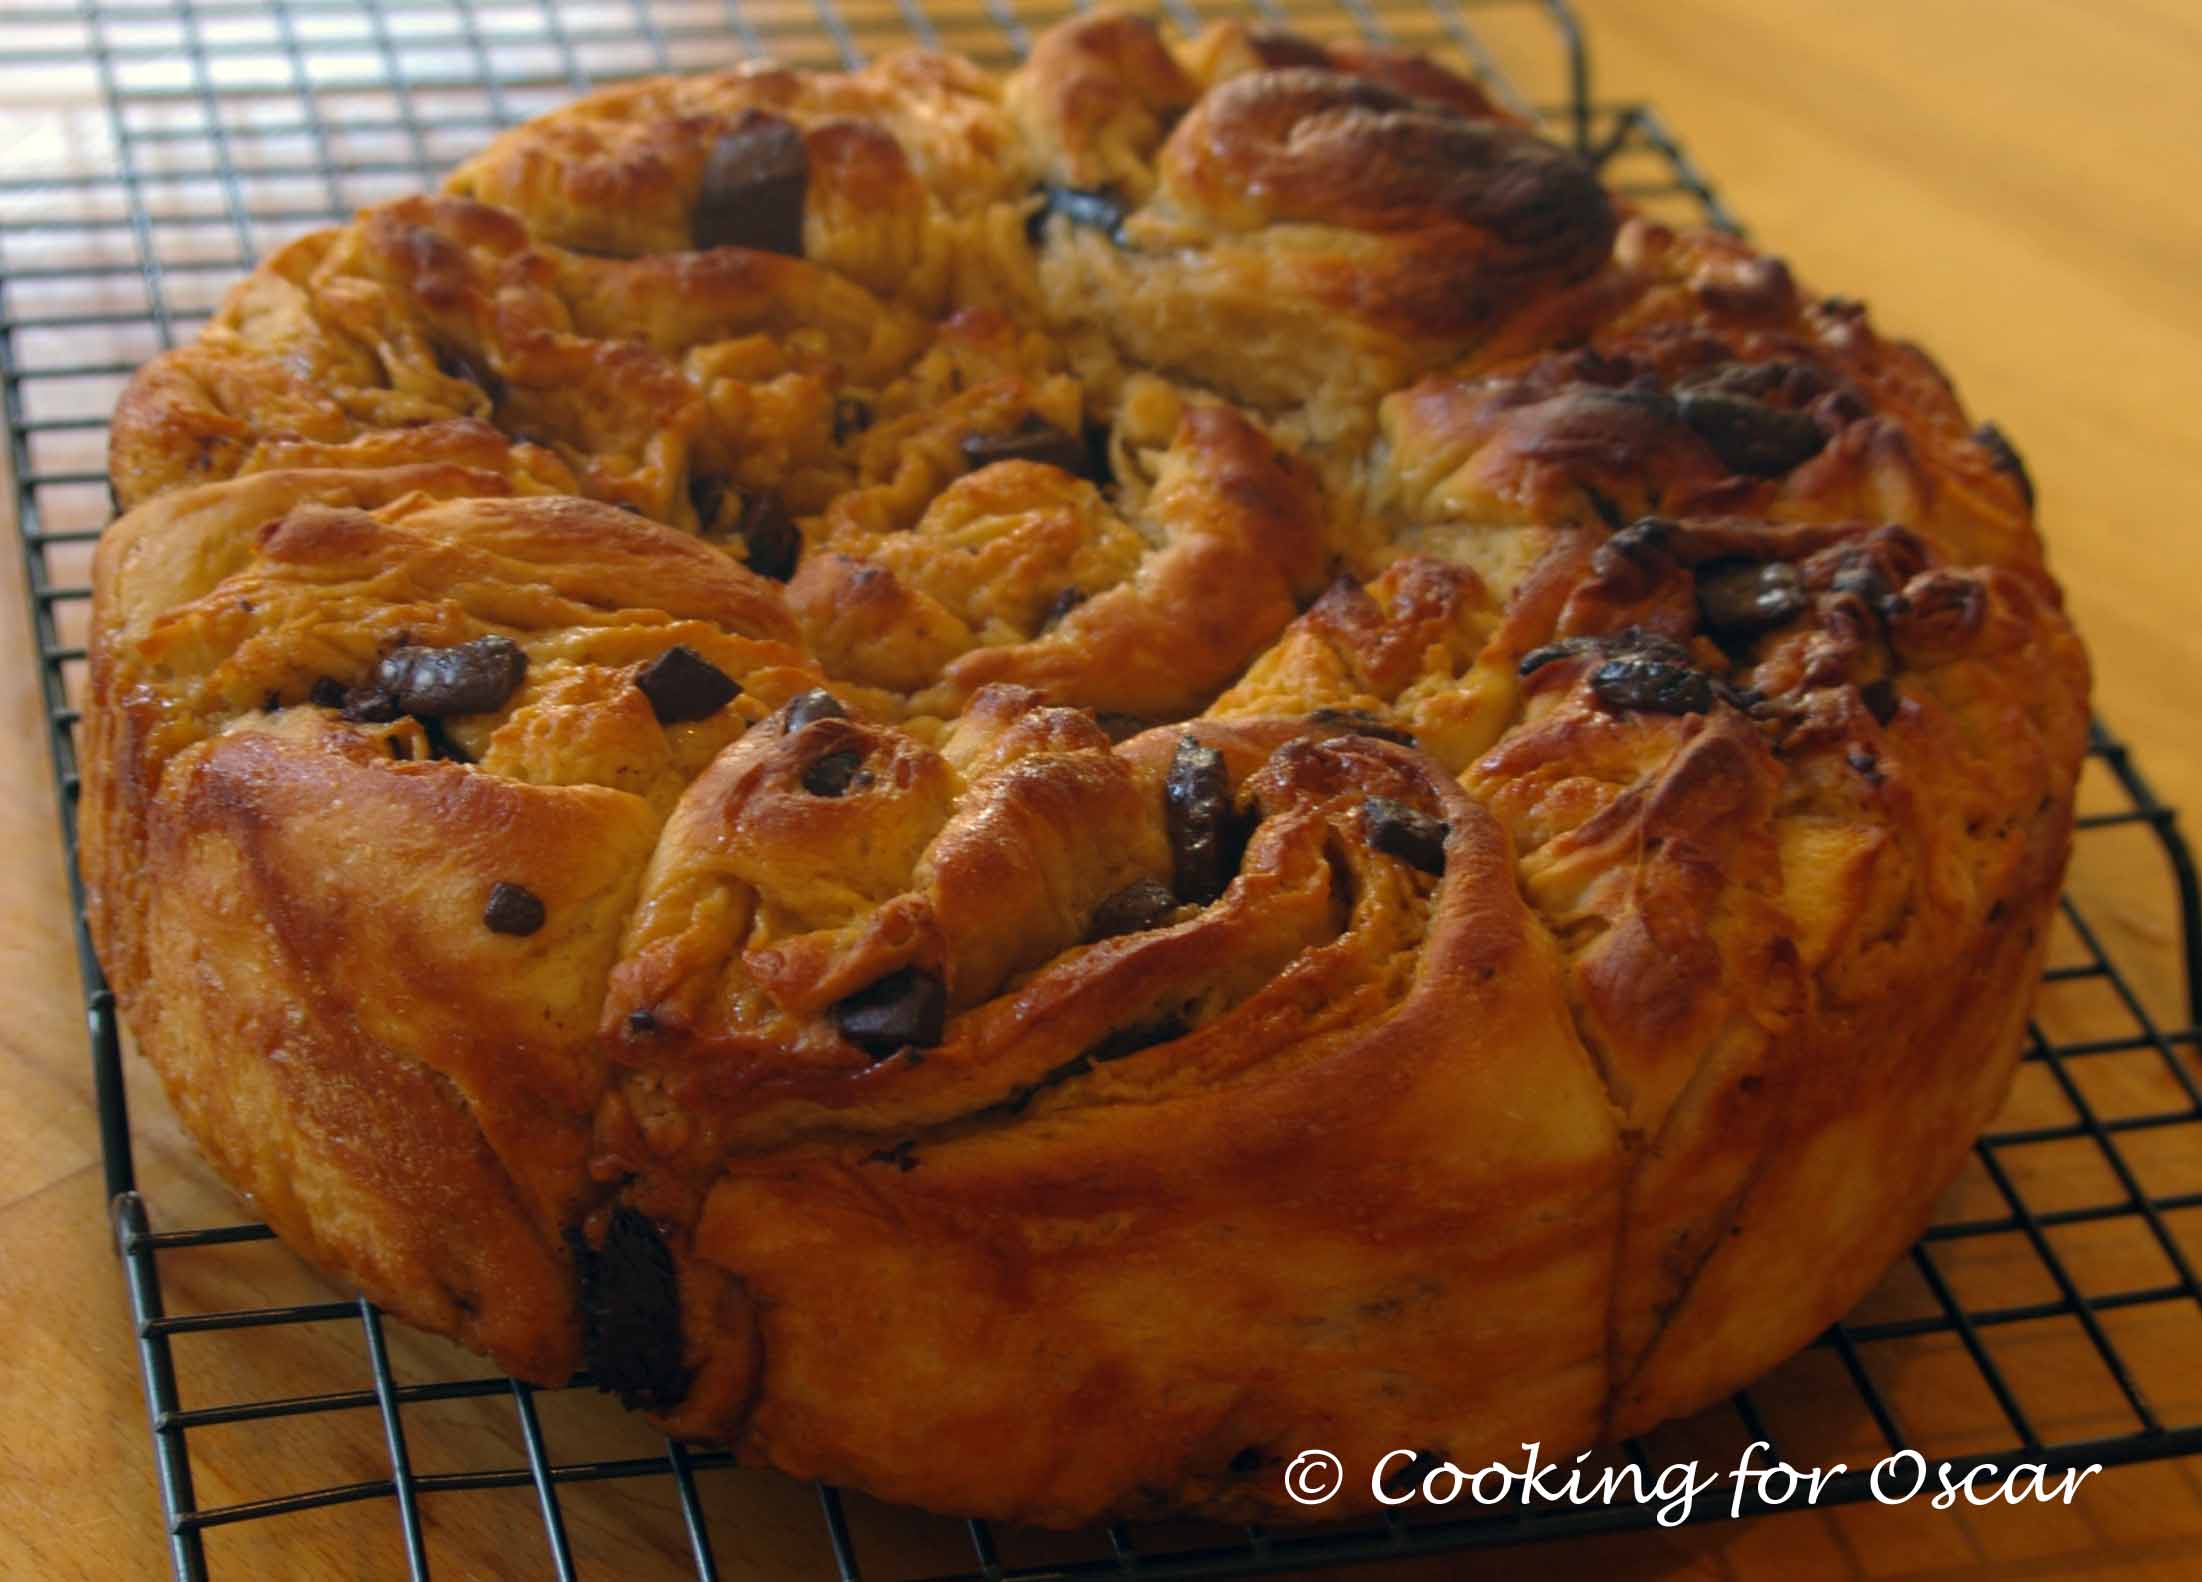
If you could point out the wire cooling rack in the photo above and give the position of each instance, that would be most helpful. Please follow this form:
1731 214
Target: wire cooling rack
167 144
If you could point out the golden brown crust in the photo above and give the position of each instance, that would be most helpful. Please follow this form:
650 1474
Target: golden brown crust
1023 793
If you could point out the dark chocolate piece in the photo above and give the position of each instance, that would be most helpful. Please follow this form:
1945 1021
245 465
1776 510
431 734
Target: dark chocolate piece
708 494
1360 722
441 745
1131 1040
512 909
816 704
851 416
370 706
1861 576
1035 439
682 685
2004 457
1122 727
1881 700
1137 907
771 542
1742 599
1061 605
833 774
326 693
1655 686
1090 208
468 678
1196 803
1749 436
1407 833
754 182
630 1312
456 364
904 1009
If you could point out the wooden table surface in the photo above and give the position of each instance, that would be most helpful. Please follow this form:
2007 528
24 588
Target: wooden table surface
2015 181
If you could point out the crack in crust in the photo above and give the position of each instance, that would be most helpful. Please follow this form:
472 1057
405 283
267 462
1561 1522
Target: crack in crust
1211 733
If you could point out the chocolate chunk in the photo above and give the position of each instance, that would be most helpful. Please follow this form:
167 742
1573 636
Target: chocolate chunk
833 774
2004 457
1360 722
1196 804
1409 834
771 542
753 187
1862 577
457 364
903 1155
641 1024
1247 1462
1868 766
1131 1040
326 693
440 744
630 1312
512 909
1061 605
816 704
682 685
1754 285
905 1008
1137 907
851 417
1097 453
1552 653
1785 384
1742 599
1656 686
1603 503
469 678
1644 543
1091 208
708 495
370 706
1749 436
1881 699
1122 727
1036 439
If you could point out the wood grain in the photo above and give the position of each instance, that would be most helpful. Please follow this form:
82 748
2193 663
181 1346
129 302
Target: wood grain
2012 180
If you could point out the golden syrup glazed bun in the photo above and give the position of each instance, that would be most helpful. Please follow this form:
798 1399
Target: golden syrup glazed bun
1022 791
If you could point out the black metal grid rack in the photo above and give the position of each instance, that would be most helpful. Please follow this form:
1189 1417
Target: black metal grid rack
184 138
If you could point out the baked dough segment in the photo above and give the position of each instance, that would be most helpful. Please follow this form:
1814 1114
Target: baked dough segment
405 1086
916 180
404 1093
1233 1228
1300 240
1693 377
1921 856
1021 573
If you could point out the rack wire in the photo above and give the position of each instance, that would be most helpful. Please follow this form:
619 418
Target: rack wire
178 140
